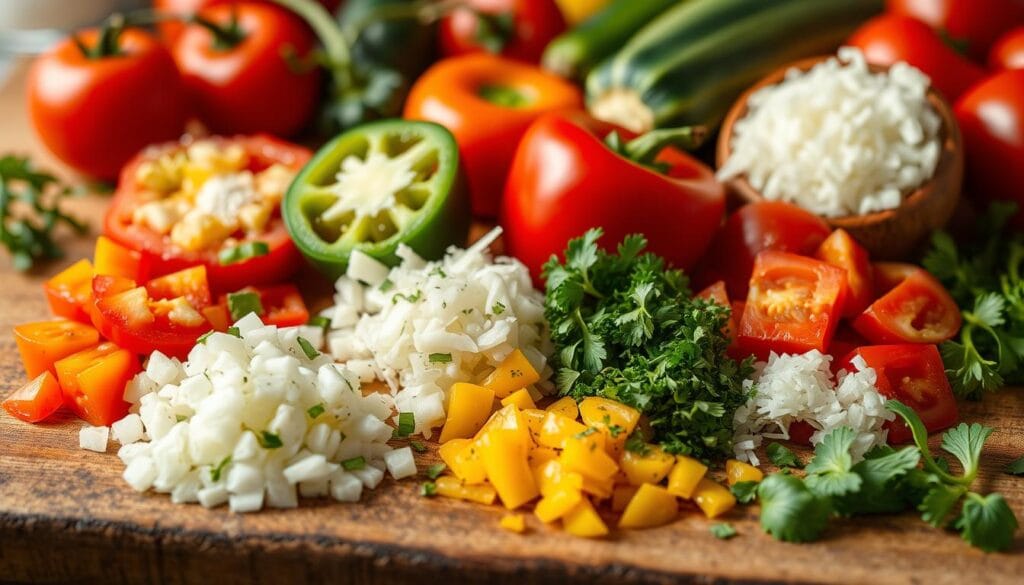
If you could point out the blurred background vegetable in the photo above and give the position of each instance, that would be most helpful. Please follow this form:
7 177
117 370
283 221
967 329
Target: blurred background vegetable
519 29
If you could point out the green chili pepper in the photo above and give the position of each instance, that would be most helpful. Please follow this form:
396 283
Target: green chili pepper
377 186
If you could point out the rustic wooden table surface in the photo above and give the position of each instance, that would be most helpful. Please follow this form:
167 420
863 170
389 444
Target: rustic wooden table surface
66 515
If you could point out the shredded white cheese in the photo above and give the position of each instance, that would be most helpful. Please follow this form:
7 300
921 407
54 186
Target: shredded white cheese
253 421
838 139
423 326
790 388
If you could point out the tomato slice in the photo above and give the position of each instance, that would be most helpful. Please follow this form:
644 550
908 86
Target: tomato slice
69 293
916 310
165 257
43 343
93 381
190 283
913 374
793 305
111 258
842 251
37 400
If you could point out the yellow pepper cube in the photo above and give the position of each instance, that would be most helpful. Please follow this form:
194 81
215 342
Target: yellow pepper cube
621 496
551 476
451 487
513 373
713 498
599 489
583 521
650 506
650 467
557 504
462 456
557 428
469 406
566 407
612 417
521 398
738 471
513 523
508 470
586 455
685 475
508 418
540 455
534 418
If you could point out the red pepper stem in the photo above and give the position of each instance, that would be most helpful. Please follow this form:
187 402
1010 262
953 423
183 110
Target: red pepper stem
646 147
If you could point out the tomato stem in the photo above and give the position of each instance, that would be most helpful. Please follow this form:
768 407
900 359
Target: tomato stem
225 37
425 11
108 44
646 147
336 47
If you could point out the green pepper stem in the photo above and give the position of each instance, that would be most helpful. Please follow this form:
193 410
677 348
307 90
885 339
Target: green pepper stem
335 45
646 147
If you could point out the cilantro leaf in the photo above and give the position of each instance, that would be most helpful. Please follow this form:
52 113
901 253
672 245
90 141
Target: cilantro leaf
884 483
745 491
829 472
790 511
939 503
781 456
723 530
965 443
1016 467
987 522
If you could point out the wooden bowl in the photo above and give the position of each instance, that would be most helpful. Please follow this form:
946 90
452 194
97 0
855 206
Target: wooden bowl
888 235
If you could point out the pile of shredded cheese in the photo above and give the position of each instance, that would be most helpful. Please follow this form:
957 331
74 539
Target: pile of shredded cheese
790 388
422 326
838 139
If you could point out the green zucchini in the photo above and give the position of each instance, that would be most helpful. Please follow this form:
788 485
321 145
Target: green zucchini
688 66
573 53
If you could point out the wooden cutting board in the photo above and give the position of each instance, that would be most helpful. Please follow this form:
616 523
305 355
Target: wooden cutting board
66 515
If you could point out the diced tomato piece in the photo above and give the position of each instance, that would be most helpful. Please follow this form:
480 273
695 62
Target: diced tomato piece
93 382
282 305
917 309
800 432
842 251
793 306
113 259
70 291
37 400
913 374
190 283
888 275
43 343
845 340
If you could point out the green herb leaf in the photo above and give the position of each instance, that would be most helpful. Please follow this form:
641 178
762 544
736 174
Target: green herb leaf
829 472
781 456
637 443
498 308
428 489
241 304
202 338
1016 467
965 443
790 511
418 446
234 332
987 522
440 358
354 464
218 470
938 504
319 321
386 285
269 440
745 491
435 470
316 410
242 252
406 424
307 348
723 530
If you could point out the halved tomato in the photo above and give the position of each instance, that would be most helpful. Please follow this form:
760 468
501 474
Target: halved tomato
842 251
794 305
93 382
37 400
43 343
69 293
913 374
915 308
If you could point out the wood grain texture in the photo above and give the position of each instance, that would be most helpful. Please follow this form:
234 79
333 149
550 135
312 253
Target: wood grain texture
67 516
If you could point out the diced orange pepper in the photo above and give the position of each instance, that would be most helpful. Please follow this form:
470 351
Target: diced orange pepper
69 293
557 504
603 414
565 406
621 496
650 467
451 487
504 457
685 475
43 343
651 506
469 406
583 521
539 455
113 259
738 471
586 455
513 373
713 498
521 398
557 428
37 400
550 477
513 523
462 456
93 382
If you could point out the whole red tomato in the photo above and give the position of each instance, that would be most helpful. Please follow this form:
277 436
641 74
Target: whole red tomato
1008 52
236 69
991 117
519 29
171 29
890 38
95 109
973 24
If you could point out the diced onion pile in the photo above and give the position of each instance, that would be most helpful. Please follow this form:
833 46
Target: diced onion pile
838 139
792 388
256 421
423 326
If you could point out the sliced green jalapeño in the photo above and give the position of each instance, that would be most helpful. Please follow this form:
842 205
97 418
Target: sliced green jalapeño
377 186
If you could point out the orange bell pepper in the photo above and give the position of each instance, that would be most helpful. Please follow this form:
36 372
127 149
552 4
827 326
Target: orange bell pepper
69 293
36 400
113 259
93 382
43 343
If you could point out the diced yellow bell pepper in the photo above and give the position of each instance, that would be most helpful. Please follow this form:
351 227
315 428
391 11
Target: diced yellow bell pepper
557 504
586 455
713 498
684 477
602 413
534 418
621 496
462 456
513 523
513 373
737 471
504 456
584 521
508 418
651 467
469 406
539 455
565 406
557 428
521 398
600 490
615 446
651 506
550 477
450 487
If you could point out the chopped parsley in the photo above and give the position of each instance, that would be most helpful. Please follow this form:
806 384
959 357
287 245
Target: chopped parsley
202 338
411 298
435 470
242 252
234 331
745 491
316 410
440 358
498 308
241 304
781 456
319 321
307 348
269 440
218 470
428 489
406 424
386 285
418 446
723 530
354 464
